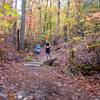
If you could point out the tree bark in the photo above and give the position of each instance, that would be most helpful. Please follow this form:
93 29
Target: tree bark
58 17
67 10
22 25
67 16
45 19
14 34
50 20
40 26
77 12
18 38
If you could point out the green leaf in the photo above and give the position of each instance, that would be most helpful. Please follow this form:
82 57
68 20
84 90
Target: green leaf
14 13
6 7
1 14
8 13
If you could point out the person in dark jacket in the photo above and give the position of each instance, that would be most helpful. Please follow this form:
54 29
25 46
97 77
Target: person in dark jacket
47 49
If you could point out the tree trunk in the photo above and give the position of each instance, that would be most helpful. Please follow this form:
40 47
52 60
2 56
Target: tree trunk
14 25
99 3
50 20
58 17
77 12
78 17
18 38
67 16
67 10
22 25
40 27
14 34
45 19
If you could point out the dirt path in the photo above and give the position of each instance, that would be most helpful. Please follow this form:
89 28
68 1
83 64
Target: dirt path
40 59
43 83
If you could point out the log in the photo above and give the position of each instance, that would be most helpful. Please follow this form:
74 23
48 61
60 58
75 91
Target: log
50 62
39 63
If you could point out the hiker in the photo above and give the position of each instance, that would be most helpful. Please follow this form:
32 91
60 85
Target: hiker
47 49
37 48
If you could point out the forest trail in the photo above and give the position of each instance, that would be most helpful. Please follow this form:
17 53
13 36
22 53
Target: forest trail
41 59
44 83
41 83
30 80
73 28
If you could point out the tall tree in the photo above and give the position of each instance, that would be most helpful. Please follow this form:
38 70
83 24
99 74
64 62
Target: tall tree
39 26
39 7
67 9
58 17
45 17
77 12
50 20
99 3
14 3
22 31
67 16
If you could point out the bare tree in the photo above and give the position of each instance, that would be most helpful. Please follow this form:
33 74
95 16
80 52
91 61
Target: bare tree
67 9
77 12
22 31
50 20
67 16
45 17
14 25
40 26
58 17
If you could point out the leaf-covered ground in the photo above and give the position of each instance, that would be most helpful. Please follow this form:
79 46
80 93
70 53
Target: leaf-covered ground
45 82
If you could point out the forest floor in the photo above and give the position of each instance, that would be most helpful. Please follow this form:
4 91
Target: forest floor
45 82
